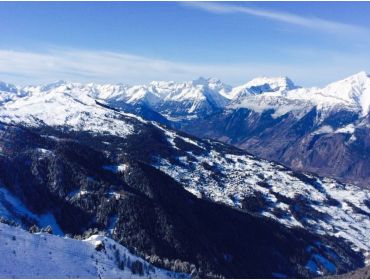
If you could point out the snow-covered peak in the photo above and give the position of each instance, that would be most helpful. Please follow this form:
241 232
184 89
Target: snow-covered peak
212 83
69 105
271 84
362 75
353 90
143 94
108 91
352 81
262 85
200 81
283 96
208 82
195 94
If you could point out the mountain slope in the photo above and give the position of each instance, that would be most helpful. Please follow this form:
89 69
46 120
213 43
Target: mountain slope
48 256
337 146
135 180
85 183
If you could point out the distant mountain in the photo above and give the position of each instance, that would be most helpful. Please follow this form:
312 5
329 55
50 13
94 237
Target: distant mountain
70 159
174 100
282 96
262 85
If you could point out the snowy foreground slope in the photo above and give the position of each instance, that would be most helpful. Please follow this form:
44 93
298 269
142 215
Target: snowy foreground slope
27 255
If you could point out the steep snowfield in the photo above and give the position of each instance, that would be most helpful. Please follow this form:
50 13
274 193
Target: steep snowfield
26 255
323 206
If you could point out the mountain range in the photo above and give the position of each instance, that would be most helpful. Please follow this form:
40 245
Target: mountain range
173 172
320 130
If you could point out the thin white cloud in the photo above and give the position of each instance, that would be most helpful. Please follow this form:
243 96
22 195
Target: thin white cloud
24 67
309 22
98 66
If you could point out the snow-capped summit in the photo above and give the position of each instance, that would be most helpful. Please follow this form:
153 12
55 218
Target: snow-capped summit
199 89
360 75
212 83
353 90
200 81
215 85
280 94
68 105
108 91
272 84
262 85
194 98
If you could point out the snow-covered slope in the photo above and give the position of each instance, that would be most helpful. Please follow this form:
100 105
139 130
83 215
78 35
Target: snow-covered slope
12 209
353 91
26 255
319 205
68 105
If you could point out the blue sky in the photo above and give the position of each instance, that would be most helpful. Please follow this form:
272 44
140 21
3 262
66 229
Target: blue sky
313 43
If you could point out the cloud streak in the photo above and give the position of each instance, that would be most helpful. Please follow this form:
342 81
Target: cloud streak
98 66
77 65
308 22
